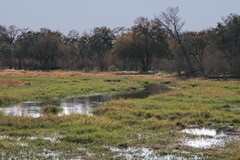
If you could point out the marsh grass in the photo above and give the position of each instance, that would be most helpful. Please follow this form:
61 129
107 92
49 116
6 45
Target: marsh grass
18 87
153 122
51 109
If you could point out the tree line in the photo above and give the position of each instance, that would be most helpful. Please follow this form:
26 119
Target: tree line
150 44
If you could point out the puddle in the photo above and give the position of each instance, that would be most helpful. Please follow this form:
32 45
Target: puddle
206 138
23 110
203 142
143 153
131 153
49 154
204 132
80 104
50 139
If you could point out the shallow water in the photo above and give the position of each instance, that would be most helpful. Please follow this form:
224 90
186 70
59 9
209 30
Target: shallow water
206 138
23 110
204 142
47 154
80 104
204 132
142 153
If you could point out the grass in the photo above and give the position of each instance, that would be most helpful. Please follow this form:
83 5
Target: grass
46 86
153 122
51 109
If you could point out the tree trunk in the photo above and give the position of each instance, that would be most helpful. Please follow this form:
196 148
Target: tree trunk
185 55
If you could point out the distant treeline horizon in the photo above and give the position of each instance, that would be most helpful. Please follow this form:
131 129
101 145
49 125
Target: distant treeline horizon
157 44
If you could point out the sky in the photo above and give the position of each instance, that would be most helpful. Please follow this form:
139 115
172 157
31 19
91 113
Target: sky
84 15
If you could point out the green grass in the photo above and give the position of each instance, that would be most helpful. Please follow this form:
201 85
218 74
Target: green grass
153 122
49 88
51 109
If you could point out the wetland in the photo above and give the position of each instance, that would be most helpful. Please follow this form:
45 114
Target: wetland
194 119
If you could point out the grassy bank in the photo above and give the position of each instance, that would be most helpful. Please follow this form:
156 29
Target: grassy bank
46 86
154 122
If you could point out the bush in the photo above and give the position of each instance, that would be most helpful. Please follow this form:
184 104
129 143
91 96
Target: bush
112 68
51 109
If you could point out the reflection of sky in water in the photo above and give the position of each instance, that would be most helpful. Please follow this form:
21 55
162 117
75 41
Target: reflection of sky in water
142 153
23 110
203 142
204 132
79 105
206 138
82 105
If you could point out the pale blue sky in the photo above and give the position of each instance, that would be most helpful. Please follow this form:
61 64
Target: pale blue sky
84 15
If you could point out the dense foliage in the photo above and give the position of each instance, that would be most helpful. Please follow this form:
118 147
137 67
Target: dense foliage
150 44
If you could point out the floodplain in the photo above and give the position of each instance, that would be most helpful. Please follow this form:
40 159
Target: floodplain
193 118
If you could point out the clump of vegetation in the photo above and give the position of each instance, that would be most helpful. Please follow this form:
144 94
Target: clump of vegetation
112 68
51 109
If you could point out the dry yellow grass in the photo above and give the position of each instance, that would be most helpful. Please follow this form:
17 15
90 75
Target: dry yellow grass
11 83
60 73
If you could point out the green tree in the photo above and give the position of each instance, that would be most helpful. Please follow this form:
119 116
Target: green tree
125 50
79 48
7 44
228 40
149 40
84 50
47 48
23 42
100 44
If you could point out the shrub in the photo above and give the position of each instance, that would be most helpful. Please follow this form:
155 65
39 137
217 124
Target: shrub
112 68
51 109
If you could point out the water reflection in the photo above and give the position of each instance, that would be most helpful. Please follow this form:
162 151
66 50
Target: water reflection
202 142
132 153
23 110
206 138
79 105
204 132
82 104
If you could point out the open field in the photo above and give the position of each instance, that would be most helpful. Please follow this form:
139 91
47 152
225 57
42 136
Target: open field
150 128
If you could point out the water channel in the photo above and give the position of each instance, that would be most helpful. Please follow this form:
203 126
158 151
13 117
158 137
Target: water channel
80 104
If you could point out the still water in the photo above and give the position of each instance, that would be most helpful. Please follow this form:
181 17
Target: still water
204 137
80 104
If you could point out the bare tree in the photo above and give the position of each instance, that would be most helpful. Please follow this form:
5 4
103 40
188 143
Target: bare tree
173 24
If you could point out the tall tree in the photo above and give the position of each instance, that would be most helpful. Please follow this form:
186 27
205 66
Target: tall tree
79 47
150 37
23 42
195 44
101 43
173 24
7 43
84 50
126 51
228 40
47 48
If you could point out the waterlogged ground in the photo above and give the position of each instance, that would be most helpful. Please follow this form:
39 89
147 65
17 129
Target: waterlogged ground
195 119
83 104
